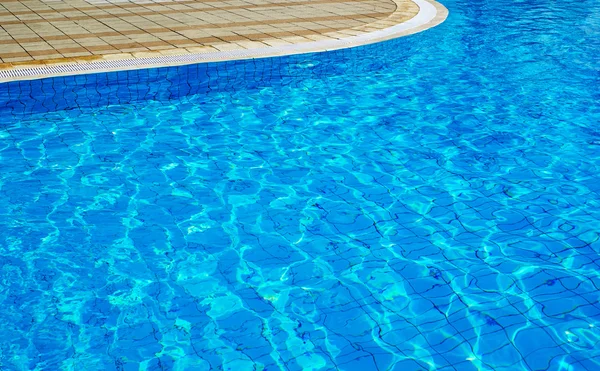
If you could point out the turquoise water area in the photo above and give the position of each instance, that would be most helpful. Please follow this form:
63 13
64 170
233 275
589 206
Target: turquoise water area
428 203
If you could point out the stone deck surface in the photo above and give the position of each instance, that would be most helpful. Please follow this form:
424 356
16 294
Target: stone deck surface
37 32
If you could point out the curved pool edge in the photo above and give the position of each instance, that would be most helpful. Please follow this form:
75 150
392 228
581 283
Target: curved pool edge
431 13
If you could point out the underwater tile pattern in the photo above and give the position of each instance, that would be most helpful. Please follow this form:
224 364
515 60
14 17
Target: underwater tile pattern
428 203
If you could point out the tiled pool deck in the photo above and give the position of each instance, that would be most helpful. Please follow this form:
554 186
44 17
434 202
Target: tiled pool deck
53 32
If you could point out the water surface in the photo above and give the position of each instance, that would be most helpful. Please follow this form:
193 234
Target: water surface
428 203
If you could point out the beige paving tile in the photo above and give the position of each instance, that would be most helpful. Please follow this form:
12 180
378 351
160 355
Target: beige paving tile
72 50
177 51
16 59
275 42
132 50
159 48
248 44
76 54
47 56
225 46
11 48
201 49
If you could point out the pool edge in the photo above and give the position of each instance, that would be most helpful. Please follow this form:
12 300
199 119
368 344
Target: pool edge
431 13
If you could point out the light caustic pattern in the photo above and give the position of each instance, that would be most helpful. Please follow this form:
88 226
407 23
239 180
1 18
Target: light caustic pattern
429 203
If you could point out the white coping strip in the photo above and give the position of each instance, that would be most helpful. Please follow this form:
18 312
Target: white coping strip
427 12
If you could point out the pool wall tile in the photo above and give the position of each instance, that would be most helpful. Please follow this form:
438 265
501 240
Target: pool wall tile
166 83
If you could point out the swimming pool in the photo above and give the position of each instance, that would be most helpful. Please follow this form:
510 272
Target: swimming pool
425 203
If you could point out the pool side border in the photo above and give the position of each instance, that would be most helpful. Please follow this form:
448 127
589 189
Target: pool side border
431 14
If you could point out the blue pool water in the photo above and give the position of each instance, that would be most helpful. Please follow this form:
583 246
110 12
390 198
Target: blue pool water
428 203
